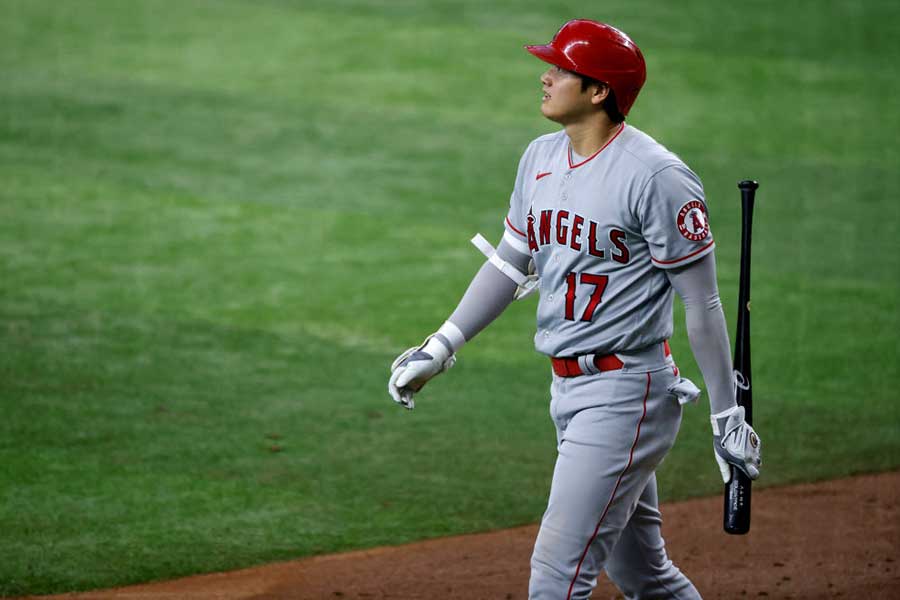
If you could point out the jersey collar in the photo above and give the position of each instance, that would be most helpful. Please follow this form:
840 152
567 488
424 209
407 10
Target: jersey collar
591 157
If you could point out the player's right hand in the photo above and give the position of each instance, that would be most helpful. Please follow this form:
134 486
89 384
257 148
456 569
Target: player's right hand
736 443
414 368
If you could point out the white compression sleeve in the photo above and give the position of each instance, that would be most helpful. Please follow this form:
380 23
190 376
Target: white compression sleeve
706 328
489 293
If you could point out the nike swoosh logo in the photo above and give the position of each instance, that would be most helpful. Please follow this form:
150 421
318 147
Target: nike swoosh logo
542 175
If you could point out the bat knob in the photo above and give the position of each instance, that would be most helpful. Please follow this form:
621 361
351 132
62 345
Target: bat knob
748 184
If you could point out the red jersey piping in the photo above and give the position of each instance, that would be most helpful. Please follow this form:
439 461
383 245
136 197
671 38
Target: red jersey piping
677 260
591 157
513 227
613 495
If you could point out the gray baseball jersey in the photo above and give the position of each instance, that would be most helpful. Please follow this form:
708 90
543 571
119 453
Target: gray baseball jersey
601 230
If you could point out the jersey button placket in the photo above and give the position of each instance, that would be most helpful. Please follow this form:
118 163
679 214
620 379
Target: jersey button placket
564 194
566 177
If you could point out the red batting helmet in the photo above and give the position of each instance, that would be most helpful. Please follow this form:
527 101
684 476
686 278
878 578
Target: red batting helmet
601 52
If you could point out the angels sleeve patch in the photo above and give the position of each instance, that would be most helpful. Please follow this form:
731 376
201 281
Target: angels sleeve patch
692 221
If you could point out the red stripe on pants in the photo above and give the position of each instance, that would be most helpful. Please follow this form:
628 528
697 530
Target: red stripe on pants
612 497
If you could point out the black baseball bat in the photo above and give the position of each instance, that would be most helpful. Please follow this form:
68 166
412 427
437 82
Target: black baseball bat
737 490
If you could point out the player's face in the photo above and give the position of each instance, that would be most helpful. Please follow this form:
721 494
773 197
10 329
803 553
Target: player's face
564 101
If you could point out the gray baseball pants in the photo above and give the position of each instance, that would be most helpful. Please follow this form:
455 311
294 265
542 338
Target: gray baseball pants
613 430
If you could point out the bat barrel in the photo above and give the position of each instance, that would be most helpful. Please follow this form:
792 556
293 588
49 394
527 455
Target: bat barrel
742 342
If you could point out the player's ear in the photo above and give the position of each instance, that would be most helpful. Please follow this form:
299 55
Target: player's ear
600 92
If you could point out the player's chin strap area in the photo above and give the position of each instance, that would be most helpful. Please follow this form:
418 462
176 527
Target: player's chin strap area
527 283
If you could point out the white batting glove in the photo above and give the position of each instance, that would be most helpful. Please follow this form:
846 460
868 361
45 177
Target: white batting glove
735 443
414 368
685 390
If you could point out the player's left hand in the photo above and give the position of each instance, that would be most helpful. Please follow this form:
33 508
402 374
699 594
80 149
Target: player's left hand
735 443
411 370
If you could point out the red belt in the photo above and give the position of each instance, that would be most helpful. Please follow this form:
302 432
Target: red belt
569 367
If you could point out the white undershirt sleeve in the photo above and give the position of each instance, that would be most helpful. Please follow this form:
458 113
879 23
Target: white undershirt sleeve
706 328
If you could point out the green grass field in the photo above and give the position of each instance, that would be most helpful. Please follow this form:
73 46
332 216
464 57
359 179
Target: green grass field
220 222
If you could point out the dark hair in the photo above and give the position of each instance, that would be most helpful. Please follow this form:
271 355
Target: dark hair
609 103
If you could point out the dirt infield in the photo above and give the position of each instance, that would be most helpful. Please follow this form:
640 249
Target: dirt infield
839 539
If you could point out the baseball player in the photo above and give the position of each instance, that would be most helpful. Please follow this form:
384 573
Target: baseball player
606 224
